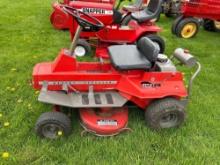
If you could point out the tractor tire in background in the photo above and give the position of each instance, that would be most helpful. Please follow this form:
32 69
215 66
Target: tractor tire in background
165 113
210 25
174 24
51 125
170 15
158 41
187 28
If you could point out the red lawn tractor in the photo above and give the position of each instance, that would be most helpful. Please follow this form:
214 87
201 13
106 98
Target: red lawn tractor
187 24
100 91
114 33
101 9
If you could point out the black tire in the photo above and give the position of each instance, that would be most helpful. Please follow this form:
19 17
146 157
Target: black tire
165 113
157 39
84 46
126 20
169 15
49 125
210 25
175 23
183 23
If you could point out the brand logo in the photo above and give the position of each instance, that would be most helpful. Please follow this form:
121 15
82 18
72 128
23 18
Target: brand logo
146 84
77 82
97 11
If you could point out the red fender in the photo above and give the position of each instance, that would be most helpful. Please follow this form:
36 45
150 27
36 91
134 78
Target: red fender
58 18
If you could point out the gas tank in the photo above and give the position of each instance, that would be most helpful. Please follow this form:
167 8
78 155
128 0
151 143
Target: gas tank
102 11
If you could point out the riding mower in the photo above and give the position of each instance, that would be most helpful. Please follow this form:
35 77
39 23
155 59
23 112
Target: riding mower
101 9
100 90
114 33
192 11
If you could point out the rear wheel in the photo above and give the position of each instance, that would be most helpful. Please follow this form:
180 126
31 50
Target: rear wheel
83 48
51 125
187 28
211 25
165 113
158 41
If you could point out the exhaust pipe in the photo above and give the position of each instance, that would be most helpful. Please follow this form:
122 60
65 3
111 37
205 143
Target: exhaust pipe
185 58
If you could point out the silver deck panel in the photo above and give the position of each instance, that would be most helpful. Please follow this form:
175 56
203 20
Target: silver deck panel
75 100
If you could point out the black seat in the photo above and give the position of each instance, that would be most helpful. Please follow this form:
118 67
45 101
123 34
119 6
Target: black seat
132 57
150 12
133 7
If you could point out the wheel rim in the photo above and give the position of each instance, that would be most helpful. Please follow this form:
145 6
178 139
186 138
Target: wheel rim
168 120
217 24
189 30
80 51
51 130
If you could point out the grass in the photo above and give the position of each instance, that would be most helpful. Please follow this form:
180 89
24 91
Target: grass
26 38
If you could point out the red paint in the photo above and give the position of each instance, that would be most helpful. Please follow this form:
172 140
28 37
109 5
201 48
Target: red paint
127 83
206 9
94 120
111 33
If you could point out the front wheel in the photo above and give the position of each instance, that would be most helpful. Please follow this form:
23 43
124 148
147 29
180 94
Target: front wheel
82 48
175 23
165 113
158 41
187 28
51 125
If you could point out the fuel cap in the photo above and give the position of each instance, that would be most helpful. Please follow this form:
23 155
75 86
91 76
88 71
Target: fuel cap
162 58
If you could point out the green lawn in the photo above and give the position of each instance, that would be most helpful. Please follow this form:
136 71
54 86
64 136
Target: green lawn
26 38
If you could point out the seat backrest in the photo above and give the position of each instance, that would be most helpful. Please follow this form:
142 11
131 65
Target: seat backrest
117 16
154 6
148 49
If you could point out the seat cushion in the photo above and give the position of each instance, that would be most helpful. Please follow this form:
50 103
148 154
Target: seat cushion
128 57
142 15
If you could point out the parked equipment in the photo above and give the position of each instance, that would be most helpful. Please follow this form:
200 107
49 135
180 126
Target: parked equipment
114 33
107 11
188 23
136 73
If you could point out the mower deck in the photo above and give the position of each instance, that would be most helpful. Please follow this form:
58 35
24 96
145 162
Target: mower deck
104 122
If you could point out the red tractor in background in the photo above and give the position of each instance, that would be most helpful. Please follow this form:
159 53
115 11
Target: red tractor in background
97 8
100 90
187 24
113 32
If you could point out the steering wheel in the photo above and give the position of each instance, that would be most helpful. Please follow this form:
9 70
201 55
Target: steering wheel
86 21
